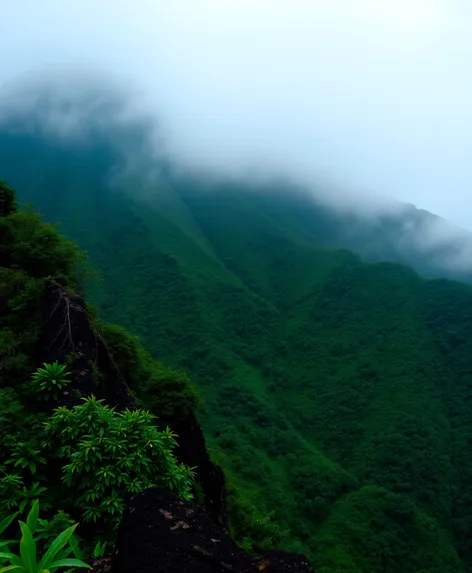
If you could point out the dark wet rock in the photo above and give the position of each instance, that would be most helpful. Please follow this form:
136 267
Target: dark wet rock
100 565
192 452
68 332
159 533
275 561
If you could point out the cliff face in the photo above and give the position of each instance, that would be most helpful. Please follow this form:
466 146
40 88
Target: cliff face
67 332
158 532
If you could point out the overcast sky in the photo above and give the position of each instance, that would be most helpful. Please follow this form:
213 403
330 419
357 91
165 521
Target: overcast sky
375 94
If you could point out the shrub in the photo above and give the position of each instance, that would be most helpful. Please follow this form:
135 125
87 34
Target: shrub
166 393
262 533
26 455
110 456
49 529
50 380
12 419
14 493
38 248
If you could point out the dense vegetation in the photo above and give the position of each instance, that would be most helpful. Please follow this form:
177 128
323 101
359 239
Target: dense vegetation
81 462
336 393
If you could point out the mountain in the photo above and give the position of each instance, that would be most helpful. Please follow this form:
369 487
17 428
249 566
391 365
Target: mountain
78 397
336 390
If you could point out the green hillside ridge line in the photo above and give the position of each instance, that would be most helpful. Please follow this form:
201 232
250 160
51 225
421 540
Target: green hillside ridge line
163 199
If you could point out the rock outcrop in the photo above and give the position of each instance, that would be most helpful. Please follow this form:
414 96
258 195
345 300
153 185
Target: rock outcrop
159 533
67 331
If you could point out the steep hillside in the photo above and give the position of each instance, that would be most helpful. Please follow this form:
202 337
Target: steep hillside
336 392
87 427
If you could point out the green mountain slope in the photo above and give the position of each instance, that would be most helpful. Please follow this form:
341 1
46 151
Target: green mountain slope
336 392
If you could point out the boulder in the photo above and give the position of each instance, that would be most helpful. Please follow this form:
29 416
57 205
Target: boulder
160 533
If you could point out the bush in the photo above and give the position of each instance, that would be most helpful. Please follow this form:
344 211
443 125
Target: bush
111 456
166 393
14 493
49 381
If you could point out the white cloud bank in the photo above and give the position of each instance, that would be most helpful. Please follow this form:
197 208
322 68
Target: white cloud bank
373 94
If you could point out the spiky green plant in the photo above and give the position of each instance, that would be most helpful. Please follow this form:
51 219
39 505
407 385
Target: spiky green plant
49 381
26 455
55 557
109 456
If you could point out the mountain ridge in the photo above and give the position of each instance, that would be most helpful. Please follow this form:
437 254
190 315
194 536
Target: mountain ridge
335 390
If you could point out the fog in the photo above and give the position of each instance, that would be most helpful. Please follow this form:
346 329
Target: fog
371 97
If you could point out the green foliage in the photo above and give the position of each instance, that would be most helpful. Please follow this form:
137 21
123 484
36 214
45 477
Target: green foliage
406 537
12 419
339 391
49 382
166 393
101 466
30 251
99 550
26 455
110 456
7 200
48 530
19 324
17 492
260 533
263 534
27 561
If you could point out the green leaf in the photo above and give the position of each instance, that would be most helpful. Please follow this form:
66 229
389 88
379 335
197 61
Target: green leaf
16 560
27 548
32 519
69 563
99 549
60 541
6 522
75 547
64 554
11 568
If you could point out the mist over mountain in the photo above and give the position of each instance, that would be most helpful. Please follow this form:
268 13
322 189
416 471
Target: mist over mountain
373 101
71 114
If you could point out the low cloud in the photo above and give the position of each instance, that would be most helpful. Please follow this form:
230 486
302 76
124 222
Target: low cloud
365 102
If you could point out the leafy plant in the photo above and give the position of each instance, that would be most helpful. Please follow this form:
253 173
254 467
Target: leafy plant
4 524
11 486
49 529
14 493
56 556
26 455
262 534
111 456
164 392
50 380
99 549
